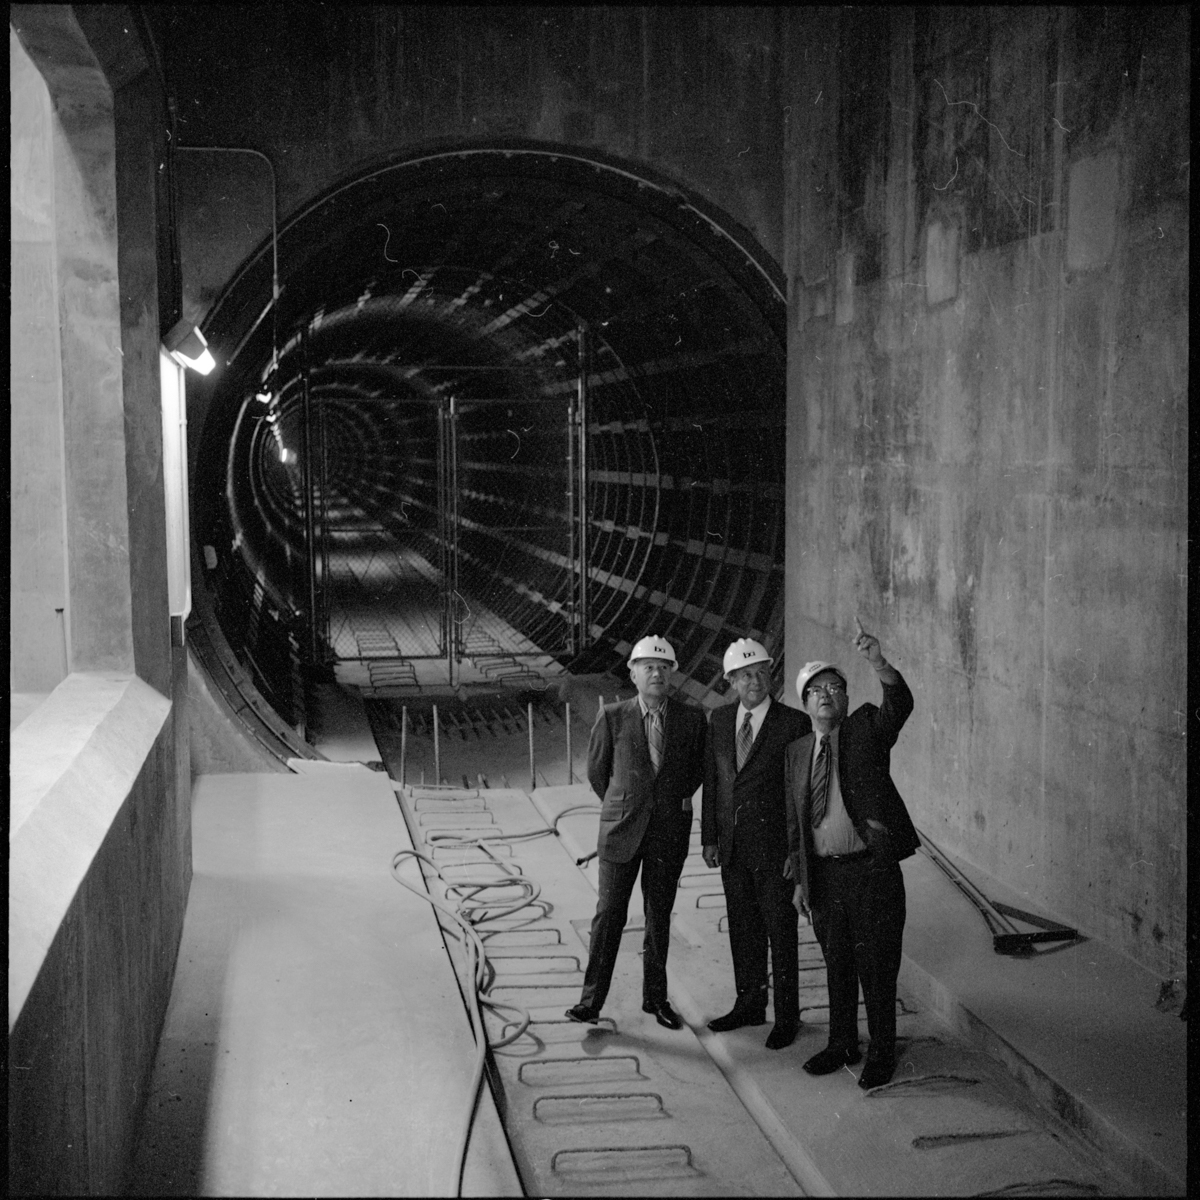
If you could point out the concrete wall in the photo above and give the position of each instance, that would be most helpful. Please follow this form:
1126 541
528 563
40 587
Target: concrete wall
987 259
100 846
37 547
96 908
691 92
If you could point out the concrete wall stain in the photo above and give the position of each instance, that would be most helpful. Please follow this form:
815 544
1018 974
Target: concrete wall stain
1015 506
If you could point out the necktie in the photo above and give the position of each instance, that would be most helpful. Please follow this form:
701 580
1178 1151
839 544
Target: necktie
745 740
654 736
820 783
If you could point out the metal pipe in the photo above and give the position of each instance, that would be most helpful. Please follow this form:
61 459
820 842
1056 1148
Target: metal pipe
570 761
403 742
455 630
274 233
437 754
310 549
532 765
572 602
62 633
326 589
584 351
443 529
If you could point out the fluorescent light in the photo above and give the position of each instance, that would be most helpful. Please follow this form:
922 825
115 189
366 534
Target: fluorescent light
186 345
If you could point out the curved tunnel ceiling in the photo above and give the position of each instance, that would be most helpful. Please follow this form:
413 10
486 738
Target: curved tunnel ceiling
469 274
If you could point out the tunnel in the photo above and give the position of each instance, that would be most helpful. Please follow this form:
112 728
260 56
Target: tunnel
510 389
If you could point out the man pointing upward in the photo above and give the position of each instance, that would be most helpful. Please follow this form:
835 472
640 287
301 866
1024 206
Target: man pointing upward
848 829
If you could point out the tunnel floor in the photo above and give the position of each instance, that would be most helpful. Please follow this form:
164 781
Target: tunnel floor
386 628
295 933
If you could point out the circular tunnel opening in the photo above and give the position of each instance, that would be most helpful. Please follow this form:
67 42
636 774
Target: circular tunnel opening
513 405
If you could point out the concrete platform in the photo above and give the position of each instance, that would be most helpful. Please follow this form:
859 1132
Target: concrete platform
22 705
315 1042
1075 1025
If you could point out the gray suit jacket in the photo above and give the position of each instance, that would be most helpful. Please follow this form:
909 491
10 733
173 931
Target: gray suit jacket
620 773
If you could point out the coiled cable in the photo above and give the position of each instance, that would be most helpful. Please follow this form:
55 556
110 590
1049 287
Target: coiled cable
467 907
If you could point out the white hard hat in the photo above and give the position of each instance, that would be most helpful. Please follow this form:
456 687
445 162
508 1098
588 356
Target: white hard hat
743 653
653 647
815 668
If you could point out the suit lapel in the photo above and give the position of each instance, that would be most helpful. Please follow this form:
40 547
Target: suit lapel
804 753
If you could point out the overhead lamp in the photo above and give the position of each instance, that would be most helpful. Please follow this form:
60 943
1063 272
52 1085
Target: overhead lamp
186 345
268 391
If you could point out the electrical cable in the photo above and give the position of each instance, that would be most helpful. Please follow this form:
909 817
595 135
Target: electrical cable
574 808
467 908
587 858
996 923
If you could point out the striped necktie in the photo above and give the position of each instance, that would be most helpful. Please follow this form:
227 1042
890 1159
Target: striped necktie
745 740
654 736
820 783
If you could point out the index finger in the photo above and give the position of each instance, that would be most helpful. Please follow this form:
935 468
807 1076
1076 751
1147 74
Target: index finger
858 622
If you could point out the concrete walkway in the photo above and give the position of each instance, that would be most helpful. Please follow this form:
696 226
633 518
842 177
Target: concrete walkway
1075 1024
296 974
315 1042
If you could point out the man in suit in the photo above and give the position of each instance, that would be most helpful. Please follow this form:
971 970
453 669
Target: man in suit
744 831
645 760
848 829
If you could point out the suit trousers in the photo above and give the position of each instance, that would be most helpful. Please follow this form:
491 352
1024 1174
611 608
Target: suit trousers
761 913
660 859
858 916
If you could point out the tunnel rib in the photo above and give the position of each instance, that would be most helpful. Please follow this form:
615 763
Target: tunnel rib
503 258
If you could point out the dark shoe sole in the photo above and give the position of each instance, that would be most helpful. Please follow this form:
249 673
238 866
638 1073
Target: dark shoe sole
729 1023
669 1020
779 1039
584 1016
876 1075
825 1062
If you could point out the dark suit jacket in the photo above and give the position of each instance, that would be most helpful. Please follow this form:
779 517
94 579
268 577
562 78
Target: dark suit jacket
620 773
754 796
865 740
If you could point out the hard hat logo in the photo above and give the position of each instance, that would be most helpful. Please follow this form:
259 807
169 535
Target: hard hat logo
811 671
653 647
744 653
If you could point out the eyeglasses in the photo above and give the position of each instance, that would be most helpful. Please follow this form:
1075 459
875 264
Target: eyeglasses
827 689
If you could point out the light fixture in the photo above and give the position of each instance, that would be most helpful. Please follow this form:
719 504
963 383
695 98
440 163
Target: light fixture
186 345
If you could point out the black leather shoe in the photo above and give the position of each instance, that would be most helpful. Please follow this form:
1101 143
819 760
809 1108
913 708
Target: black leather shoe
784 1034
877 1073
583 1014
831 1059
664 1014
737 1017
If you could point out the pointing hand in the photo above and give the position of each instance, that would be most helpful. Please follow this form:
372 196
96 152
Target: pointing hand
867 644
